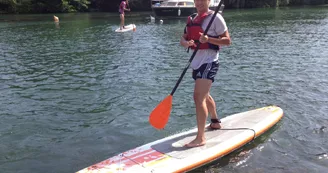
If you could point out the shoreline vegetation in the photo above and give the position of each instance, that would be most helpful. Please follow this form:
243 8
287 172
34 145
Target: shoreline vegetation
71 6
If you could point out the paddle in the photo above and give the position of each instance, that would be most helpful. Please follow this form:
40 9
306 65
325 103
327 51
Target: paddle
160 115
128 5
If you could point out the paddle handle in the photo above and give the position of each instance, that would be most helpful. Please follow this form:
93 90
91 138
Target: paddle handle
195 51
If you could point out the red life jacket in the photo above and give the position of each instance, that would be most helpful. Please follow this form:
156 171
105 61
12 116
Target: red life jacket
194 27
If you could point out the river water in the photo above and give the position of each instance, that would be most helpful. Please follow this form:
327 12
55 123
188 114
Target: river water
76 93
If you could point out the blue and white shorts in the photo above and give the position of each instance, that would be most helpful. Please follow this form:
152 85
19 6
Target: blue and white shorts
206 71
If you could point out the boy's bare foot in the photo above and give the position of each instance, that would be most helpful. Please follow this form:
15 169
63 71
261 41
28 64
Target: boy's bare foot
215 124
195 143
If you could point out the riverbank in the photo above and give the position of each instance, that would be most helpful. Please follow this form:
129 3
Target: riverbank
66 6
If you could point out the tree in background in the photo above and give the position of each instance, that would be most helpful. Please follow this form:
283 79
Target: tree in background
75 5
43 6
55 6
105 5
8 6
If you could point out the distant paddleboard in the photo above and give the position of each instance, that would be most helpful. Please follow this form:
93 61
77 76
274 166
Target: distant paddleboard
131 27
170 155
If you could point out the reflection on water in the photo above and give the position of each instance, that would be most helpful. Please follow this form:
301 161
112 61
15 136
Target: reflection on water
75 93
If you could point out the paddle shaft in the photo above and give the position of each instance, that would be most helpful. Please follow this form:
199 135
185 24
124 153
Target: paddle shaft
195 51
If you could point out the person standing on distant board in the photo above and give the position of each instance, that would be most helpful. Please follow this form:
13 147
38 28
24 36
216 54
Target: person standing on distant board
123 7
205 63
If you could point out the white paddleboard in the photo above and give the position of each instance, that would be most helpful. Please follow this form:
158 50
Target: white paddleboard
169 154
131 27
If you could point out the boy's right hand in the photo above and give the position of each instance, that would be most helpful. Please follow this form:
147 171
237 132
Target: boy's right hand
190 43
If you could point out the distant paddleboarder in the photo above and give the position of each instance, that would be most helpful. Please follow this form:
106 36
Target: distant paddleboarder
122 8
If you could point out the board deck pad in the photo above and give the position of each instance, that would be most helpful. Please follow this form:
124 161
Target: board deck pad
175 147
170 155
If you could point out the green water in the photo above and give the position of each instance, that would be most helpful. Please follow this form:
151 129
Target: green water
76 93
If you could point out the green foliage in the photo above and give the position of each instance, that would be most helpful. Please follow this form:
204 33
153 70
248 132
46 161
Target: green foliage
43 6
55 6
106 5
66 7
25 6
8 5
75 5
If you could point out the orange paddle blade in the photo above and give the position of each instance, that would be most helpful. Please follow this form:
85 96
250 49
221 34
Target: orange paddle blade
160 115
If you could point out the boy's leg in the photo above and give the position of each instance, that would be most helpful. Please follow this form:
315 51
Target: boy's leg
202 88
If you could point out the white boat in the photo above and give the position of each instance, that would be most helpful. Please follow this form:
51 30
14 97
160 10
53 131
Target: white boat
178 8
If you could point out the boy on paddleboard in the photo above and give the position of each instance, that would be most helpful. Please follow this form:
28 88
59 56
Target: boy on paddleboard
205 64
123 7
